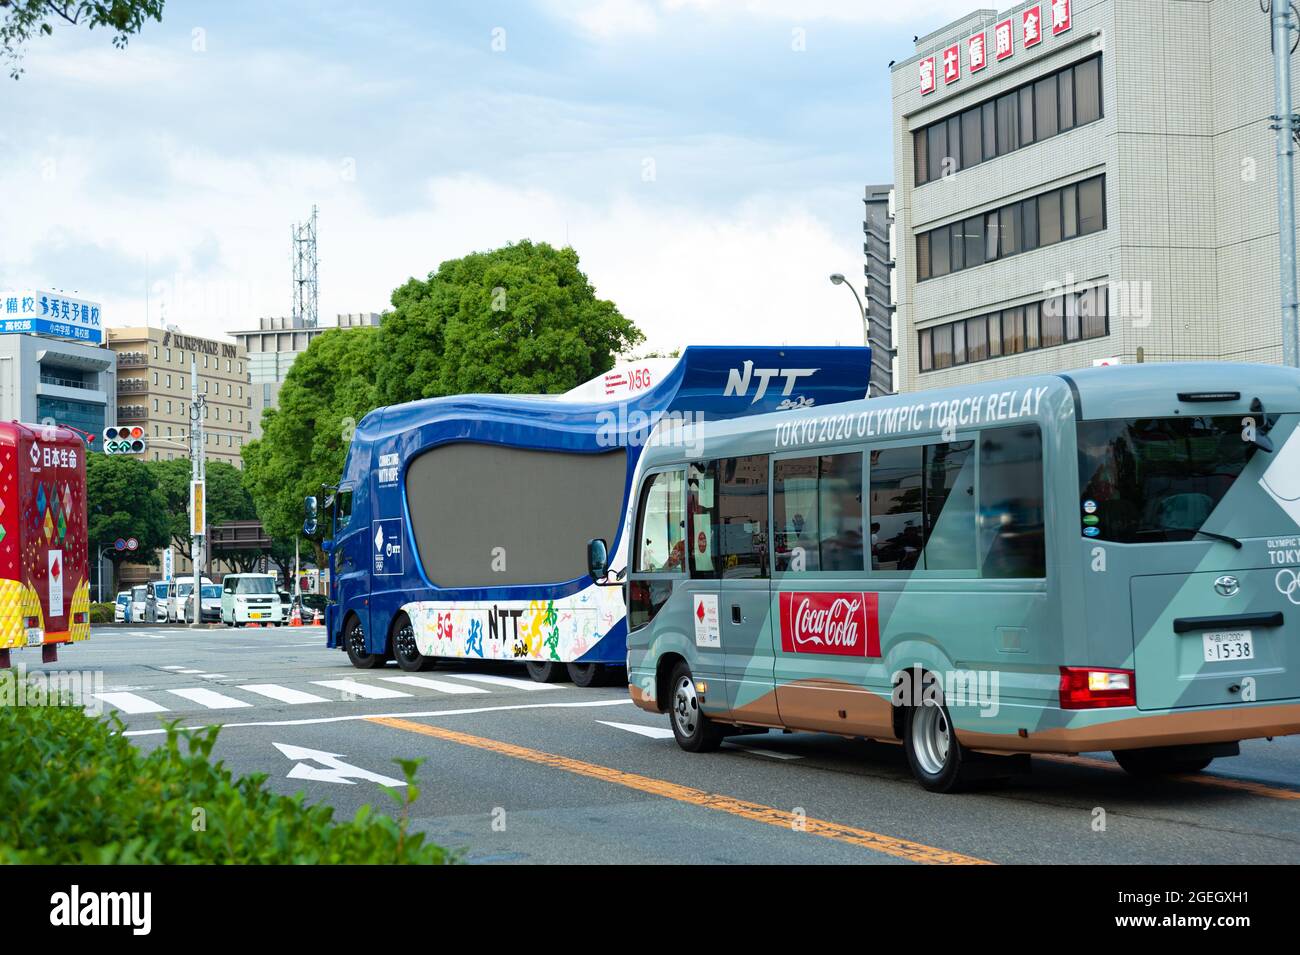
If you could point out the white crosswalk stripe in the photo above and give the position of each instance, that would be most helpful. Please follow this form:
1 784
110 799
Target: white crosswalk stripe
442 686
366 691
130 703
210 699
284 694
514 682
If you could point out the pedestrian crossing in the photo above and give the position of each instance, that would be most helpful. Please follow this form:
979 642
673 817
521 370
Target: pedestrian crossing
140 701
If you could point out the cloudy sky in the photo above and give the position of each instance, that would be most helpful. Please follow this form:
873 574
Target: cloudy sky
706 158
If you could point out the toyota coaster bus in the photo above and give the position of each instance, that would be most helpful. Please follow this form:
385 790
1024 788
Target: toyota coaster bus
1107 559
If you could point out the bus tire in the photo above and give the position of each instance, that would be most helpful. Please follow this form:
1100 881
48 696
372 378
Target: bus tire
1159 762
405 651
937 760
354 640
694 731
546 672
586 674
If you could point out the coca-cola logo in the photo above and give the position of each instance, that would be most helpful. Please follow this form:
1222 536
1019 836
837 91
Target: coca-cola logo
846 624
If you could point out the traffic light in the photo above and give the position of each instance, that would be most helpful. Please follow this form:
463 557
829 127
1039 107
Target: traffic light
127 440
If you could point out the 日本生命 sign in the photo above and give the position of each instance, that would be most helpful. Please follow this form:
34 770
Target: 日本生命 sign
50 313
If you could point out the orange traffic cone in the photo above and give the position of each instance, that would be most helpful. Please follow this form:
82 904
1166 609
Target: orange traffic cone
296 619
318 618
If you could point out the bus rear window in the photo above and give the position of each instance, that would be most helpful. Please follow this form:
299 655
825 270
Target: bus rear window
1156 479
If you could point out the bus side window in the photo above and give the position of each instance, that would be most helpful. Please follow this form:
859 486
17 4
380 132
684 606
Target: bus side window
740 528
701 510
817 513
923 507
1012 535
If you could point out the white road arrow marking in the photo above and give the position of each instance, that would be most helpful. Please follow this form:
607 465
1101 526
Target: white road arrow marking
654 732
336 770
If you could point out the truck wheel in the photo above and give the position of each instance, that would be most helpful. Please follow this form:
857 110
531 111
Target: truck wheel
586 674
1159 762
355 641
544 672
694 731
405 650
937 760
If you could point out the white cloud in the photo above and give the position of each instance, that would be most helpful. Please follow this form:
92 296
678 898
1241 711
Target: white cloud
607 19
753 272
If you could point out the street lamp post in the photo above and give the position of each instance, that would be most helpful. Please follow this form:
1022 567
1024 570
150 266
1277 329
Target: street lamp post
838 279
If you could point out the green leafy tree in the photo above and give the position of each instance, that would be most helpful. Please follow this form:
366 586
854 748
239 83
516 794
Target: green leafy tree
304 441
123 500
20 20
520 319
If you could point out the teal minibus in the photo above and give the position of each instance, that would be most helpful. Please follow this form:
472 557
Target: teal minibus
1106 559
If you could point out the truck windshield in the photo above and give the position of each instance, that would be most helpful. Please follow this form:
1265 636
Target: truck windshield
1156 479
255 585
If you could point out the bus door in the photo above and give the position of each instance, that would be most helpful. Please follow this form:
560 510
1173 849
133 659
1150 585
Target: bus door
741 545
703 588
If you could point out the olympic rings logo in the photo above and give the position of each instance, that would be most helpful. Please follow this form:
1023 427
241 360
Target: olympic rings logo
1288 584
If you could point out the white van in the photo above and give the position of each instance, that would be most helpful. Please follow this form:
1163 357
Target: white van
161 604
250 598
180 598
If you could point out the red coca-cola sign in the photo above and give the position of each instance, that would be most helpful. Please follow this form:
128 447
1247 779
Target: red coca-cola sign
846 624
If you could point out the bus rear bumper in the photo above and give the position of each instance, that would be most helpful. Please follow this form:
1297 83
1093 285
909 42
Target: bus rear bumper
1074 731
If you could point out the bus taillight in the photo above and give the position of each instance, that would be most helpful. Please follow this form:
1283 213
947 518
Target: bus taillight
1089 688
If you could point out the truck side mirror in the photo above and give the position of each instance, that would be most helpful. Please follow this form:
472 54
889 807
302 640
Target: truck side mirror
311 522
597 558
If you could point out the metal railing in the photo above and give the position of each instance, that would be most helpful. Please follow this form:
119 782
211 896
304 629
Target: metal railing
132 384
132 358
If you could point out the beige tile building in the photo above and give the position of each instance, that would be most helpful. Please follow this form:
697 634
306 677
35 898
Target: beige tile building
153 391
1085 180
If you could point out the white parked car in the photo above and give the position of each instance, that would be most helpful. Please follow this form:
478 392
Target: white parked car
139 603
250 598
180 603
161 605
122 606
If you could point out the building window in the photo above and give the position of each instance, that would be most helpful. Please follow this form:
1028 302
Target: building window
155 352
1052 217
1028 114
155 377
1055 321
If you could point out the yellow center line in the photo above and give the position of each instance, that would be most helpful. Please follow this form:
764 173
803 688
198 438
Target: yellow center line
1214 782
757 812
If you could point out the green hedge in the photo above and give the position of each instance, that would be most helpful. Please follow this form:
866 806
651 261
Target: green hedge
101 613
76 790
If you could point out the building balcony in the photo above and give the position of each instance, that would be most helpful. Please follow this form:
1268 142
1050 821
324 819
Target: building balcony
132 412
132 359
132 385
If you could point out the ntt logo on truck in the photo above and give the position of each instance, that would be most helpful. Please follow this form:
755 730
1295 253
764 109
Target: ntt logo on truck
740 379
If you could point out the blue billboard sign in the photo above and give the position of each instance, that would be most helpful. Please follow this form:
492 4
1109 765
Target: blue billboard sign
51 313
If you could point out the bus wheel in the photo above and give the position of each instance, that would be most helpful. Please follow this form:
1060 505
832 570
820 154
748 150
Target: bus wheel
936 759
586 674
544 672
694 731
355 641
405 650
1159 761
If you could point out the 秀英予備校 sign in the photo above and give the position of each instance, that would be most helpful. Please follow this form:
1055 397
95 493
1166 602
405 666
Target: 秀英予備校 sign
51 313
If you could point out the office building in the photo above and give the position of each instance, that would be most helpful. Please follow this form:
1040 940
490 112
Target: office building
1086 181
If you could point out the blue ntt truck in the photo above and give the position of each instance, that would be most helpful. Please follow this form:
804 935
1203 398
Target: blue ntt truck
458 528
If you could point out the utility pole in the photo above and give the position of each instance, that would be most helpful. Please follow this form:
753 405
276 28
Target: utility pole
1285 125
197 472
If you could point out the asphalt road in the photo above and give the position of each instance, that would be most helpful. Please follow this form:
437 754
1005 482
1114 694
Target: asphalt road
516 771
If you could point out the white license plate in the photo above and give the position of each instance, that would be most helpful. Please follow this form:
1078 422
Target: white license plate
35 636
1223 645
